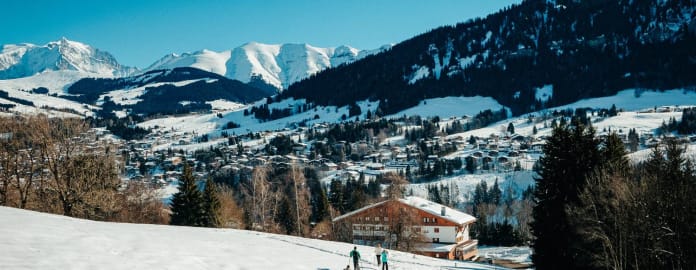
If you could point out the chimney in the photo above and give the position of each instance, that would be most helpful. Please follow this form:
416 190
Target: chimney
442 211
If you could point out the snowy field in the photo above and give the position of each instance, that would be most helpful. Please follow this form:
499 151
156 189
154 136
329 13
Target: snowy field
447 107
31 240
516 182
514 254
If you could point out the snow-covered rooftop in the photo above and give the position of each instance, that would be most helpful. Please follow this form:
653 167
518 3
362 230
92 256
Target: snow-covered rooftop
451 214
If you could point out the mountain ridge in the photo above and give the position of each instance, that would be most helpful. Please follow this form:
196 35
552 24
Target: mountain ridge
278 64
26 59
569 50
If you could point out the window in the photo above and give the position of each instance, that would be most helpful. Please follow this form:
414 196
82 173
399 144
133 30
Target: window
376 218
386 219
367 218
425 220
434 219
436 240
436 230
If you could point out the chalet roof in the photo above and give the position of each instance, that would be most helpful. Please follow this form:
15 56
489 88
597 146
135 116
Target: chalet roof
451 214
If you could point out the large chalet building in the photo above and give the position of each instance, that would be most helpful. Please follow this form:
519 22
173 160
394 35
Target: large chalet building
442 232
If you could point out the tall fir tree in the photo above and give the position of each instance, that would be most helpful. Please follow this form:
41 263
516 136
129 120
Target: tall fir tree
187 204
211 204
570 155
495 193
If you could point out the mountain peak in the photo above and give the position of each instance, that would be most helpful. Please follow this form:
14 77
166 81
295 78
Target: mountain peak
277 64
24 60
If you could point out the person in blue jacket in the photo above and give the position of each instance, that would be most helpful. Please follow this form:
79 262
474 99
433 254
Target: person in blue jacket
356 257
385 266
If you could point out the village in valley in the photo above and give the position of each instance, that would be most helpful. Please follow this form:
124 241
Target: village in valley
459 161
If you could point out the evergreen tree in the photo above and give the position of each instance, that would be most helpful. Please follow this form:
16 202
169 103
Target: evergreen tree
570 155
470 164
614 154
511 128
211 204
284 216
187 203
336 195
495 194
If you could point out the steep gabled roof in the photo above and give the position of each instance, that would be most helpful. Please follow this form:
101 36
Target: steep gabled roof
433 208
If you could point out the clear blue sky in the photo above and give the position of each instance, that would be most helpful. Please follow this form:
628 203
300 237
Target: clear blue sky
139 32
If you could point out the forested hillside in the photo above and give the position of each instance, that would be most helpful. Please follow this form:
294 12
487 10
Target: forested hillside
528 56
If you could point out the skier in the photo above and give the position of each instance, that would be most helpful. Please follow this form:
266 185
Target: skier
385 266
378 252
356 257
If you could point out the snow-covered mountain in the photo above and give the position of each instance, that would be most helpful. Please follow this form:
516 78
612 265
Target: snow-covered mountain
24 60
279 64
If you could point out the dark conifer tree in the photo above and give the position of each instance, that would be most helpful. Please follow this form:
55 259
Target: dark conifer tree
495 194
187 204
211 204
570 155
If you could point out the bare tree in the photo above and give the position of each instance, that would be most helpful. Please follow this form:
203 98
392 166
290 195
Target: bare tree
231 215
397 185
402 232
262 198
83 175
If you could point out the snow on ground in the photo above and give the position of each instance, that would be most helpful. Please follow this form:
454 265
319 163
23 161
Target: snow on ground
222 104
514 254
130 96
633 100
54 81
32 240
626 100
544 93
212 124
452 106
43 100
642 155
466 184
418 74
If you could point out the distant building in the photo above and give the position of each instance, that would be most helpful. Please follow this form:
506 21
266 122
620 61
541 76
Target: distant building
444 232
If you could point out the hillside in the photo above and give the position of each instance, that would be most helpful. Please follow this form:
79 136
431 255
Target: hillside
530 56
43 241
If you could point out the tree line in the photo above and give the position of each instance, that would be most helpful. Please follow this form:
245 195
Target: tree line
597 210
56 165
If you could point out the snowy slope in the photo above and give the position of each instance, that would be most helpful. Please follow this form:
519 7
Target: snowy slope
31 240
452 106
631 101
23 60
212 124
205 59
517 181
56 81
278 64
